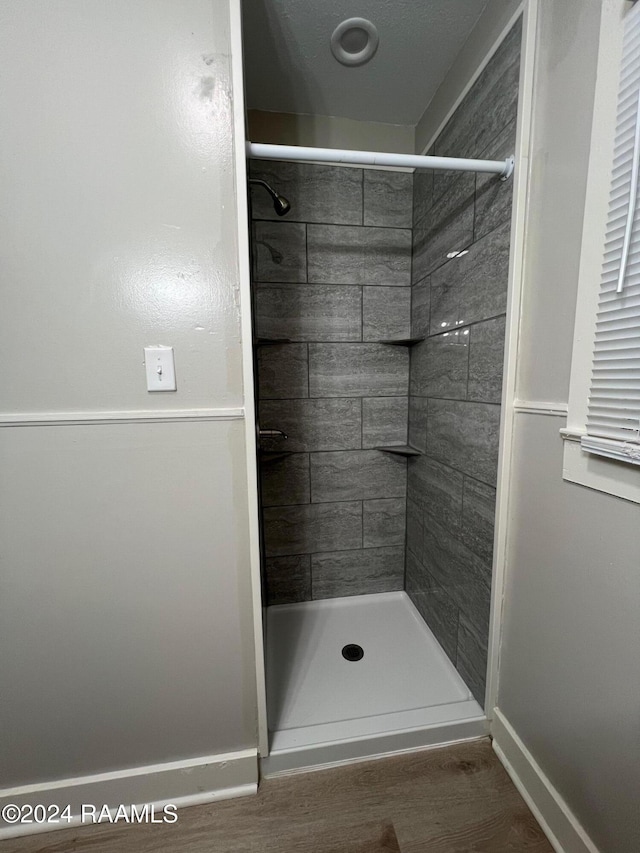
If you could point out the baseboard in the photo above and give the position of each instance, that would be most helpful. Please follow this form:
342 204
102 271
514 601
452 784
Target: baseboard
560 825
181 783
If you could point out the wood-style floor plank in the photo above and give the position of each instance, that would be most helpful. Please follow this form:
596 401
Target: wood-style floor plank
457 799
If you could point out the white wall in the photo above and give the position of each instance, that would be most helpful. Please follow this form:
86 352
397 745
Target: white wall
329 132
569 666
125 611
118 219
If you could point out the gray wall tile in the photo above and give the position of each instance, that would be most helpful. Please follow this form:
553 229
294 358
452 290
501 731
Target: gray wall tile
485 276
342 254
386 313
309 312
420 577
418 423
387 256
446 227
450 494
444 296
414 527
348 257
355 475
316 193
465 435
312 528
464 576
388 199
347 370
336 254
472 287
434 605
279 251
473 598
478 518
384 522
285 480
471 662
440 552
436 489
494 196
486 355
384 420
487 108
422 194
283 371
288 579
447 364
313 424
420 297
418 370
357 572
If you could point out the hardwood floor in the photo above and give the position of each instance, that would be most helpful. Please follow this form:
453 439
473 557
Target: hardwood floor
457 799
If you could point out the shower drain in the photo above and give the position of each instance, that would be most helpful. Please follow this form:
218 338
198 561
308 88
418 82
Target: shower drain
352 652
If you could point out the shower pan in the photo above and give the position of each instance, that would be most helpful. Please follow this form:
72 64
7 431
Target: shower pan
325 706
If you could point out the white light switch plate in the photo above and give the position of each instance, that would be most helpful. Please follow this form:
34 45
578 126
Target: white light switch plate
160 367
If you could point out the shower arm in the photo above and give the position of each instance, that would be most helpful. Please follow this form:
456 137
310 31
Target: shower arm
262 151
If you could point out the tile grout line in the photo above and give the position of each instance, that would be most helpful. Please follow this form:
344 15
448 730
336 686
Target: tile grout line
359 225
467 246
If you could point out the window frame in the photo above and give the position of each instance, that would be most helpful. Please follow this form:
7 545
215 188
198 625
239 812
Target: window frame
579 466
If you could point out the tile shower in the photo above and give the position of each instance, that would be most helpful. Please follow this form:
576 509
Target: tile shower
334 279
461 233
365 257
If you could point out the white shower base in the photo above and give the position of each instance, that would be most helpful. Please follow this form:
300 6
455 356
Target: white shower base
322 709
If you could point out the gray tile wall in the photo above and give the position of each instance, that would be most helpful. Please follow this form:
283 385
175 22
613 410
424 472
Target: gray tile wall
333 277
459 304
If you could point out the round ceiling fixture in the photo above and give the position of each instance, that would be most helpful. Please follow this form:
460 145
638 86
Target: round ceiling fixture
354 41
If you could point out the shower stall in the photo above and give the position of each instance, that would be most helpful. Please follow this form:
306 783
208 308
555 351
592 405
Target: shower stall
379 305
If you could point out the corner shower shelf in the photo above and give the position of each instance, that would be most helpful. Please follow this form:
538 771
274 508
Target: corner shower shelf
272 342
400 450
403 342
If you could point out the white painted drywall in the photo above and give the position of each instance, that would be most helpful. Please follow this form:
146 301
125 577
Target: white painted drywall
124 632
125 612
118 215
569 681
565 80
569 667
329 132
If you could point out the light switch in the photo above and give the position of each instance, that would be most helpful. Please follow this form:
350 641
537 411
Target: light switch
160 367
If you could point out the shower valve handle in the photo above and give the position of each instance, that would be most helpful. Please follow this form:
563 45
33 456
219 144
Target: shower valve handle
272 433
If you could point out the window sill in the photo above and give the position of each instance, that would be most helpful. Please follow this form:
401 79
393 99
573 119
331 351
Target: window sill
614 477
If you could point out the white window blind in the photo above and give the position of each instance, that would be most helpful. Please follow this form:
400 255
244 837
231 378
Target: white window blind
613 423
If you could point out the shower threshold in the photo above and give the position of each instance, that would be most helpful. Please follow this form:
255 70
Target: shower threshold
326 707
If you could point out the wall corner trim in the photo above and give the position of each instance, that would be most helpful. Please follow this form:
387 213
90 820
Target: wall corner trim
560 825
190 782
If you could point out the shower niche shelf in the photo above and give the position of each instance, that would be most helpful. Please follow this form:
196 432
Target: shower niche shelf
400 450
403 342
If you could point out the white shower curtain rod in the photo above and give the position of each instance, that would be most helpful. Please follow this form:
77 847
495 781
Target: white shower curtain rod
261 151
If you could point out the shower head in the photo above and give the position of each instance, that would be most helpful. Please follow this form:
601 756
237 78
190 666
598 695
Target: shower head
281 205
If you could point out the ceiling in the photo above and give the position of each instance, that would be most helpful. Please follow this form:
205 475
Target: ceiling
290 67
